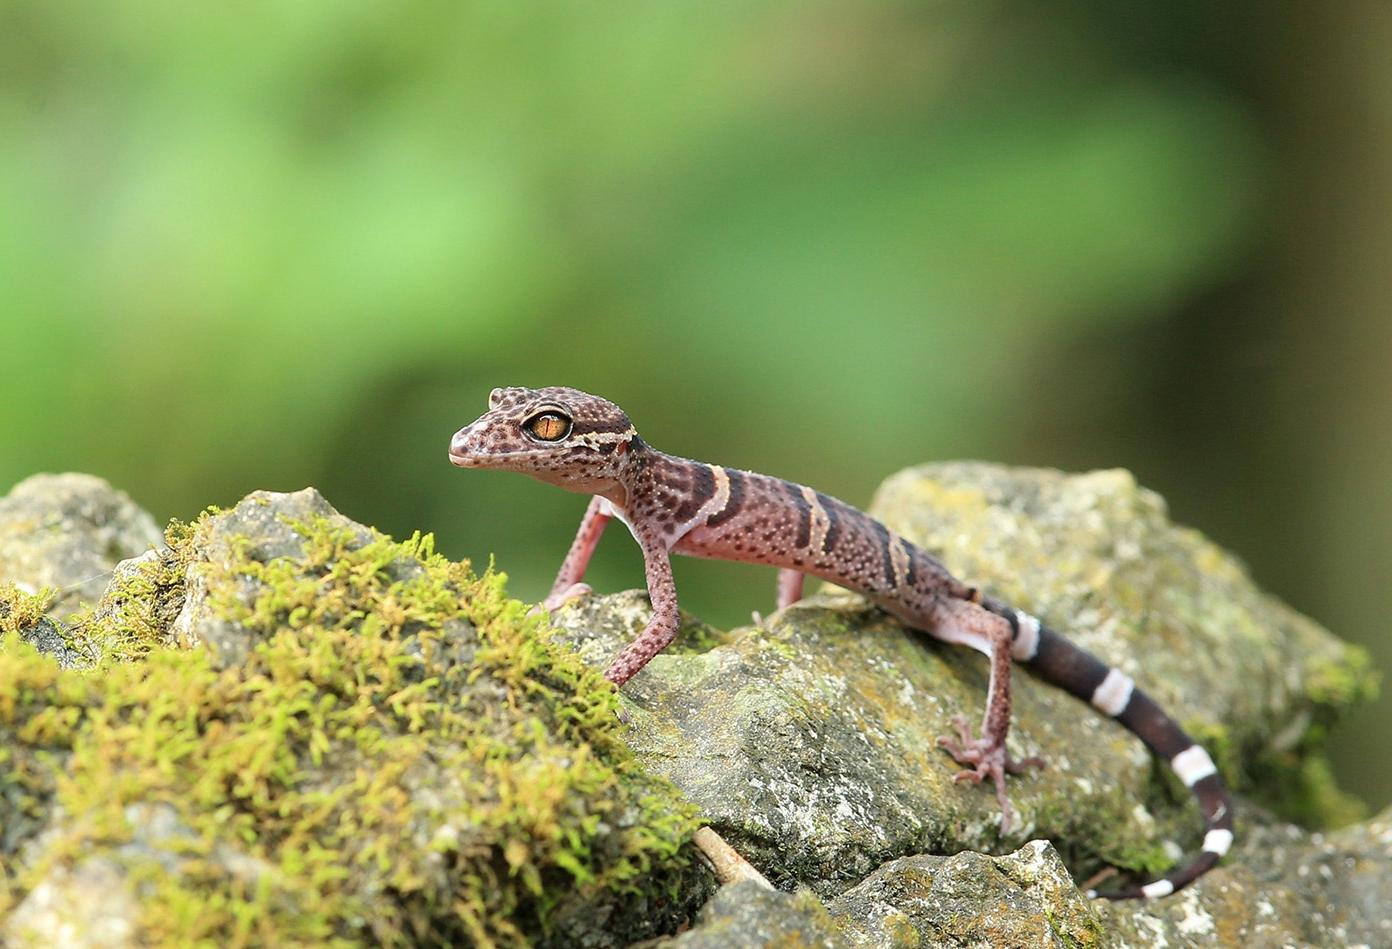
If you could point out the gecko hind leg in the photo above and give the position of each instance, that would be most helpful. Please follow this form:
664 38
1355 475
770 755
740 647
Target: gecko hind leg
990 760
967 623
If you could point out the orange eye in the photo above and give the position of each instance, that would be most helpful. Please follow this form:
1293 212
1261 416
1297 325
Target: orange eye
549 426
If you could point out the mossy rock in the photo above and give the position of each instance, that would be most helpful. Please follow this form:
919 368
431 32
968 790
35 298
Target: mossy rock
312 735
1096 556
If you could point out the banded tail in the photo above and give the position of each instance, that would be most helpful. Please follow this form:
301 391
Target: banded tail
1058 662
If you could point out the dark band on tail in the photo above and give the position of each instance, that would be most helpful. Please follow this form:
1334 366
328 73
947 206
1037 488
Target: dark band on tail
1109 690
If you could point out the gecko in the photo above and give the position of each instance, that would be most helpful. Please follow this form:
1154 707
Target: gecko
586 444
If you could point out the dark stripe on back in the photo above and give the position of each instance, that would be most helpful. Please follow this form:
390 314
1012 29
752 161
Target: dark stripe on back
1068 667
736 500
804 531
702 490
910 574
833 523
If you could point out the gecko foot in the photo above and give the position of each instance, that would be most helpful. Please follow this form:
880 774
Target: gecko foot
553 603
991 760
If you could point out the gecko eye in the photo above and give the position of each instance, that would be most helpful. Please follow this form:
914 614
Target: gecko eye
548 426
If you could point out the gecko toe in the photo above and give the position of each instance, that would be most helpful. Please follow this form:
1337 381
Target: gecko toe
573 592
989 760
1024 764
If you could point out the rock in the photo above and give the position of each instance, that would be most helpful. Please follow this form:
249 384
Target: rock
297 727
968 900
260 529
808 741
1095 556
91 906
26 614
50 638
67 532
1283 887
346 741
746 915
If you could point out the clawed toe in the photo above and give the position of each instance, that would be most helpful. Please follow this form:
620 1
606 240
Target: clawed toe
990 760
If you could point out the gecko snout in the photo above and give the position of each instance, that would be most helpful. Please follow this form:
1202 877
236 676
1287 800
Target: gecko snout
461 448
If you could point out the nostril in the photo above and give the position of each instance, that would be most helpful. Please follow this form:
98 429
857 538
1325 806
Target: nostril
459 444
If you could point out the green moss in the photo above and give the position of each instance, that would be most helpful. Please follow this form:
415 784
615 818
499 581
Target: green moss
1340 684
20 610
33 700
142 601
404 759
1294 777
1316 799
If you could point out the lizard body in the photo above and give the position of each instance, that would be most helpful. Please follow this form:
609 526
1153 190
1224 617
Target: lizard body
674 505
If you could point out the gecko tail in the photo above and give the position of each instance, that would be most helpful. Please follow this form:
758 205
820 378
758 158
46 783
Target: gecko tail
1059 662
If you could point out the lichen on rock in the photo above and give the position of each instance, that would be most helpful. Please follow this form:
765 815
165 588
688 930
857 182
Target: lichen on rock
969 899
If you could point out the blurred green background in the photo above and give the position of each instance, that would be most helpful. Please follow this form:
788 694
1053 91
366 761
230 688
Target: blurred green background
270 244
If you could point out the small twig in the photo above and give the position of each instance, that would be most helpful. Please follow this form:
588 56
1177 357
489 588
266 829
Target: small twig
728 865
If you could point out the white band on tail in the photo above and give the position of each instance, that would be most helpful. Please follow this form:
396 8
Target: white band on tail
1027 642
1193 765
1217 841
1114 694
1153 891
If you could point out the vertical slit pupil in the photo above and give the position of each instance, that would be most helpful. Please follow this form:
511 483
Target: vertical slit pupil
550 426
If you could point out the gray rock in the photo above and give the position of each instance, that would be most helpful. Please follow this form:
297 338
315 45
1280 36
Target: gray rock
95 903
968 900
1283 887
90 906
1095 556
746 915
52 638
67 532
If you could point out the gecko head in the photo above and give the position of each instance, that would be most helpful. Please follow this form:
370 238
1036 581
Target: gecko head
561 436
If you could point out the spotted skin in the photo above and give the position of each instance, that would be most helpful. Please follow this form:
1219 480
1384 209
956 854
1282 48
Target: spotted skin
583 443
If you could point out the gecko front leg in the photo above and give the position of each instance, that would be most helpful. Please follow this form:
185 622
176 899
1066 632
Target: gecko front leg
568 583
666 618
